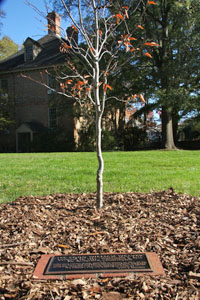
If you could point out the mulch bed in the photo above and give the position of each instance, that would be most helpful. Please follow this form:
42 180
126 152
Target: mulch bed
164 222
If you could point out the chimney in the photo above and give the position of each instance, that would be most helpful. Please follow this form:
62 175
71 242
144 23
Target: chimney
53 23
72 35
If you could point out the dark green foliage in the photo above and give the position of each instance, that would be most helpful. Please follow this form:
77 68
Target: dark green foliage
6 111
134 138
191 133
52 141
109 141
87 138
130 138
190 130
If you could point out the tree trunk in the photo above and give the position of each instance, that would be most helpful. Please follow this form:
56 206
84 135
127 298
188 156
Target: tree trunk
167 129
175 119
100 161
99 106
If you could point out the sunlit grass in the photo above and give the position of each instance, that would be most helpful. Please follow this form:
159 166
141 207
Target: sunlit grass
142 171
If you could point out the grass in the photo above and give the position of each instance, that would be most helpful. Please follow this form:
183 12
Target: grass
142 171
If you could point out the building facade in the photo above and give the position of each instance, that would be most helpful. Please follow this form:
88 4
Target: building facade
37 112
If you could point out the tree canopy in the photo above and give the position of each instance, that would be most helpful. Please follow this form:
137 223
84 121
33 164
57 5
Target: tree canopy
7 47
170 78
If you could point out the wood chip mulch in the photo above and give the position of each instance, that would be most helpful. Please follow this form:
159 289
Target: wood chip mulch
163 222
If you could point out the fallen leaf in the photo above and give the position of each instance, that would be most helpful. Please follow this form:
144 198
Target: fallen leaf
63 246
78 282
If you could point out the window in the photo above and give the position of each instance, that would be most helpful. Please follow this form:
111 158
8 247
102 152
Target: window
52 118
31 49
29 52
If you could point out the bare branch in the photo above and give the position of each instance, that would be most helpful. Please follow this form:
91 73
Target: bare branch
116 98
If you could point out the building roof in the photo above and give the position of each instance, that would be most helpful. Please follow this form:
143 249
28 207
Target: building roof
33 42
49 55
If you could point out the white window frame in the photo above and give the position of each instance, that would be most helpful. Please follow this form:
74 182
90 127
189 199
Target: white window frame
52 119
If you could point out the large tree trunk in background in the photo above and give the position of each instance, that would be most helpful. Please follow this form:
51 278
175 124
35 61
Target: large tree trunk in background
167 123
167 129
175 118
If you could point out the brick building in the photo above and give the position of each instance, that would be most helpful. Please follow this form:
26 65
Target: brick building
35 110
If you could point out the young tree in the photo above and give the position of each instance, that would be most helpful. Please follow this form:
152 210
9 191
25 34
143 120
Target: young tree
92 64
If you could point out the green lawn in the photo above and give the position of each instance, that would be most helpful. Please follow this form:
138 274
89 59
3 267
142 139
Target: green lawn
142 171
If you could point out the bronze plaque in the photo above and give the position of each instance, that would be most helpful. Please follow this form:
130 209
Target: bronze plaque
97 263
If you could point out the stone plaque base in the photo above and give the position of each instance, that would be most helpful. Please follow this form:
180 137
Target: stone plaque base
98 265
